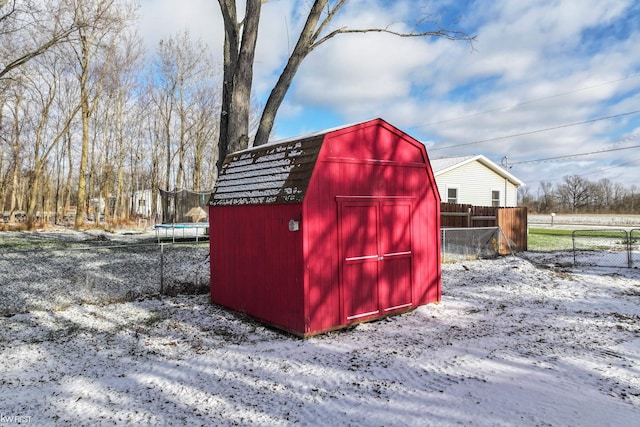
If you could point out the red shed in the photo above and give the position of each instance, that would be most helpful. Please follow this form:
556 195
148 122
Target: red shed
322 232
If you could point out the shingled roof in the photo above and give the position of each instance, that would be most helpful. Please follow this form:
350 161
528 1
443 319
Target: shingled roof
269 174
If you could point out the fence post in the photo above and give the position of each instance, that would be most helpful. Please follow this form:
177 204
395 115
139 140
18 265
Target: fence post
628 237
573 240
161 268
631 243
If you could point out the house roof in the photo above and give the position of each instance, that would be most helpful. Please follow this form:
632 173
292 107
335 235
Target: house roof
446 164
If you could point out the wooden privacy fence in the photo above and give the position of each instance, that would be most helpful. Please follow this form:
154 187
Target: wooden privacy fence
512 221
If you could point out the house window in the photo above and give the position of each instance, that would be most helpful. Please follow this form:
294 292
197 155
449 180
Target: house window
452 195
495 198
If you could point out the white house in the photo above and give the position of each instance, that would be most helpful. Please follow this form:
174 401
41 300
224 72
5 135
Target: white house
142 203
475 180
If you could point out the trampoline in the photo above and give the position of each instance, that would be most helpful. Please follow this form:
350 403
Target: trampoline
184 226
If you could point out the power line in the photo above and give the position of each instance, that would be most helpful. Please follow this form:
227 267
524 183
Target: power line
573 155
525 102
605 150
588 173
534 131
612 167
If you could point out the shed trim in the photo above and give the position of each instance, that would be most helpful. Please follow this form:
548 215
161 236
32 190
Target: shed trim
398 307
356 198
374 162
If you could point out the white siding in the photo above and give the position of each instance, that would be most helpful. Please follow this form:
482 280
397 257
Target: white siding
475 182
141 203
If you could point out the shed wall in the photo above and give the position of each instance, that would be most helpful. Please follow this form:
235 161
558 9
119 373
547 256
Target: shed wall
256 262
370 164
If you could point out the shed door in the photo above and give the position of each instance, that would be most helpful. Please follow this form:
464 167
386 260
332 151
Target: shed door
376 256
397 255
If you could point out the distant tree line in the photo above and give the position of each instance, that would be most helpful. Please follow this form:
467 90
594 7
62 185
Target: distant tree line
576 194
87 117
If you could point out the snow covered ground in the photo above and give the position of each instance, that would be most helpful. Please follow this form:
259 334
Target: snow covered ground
515 341
53 270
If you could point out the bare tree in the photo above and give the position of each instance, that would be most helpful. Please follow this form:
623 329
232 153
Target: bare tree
239 53
13 101
547 197
28 29
123 69
183 69
202 136
574 192
525 197
100 23
53 118
601 195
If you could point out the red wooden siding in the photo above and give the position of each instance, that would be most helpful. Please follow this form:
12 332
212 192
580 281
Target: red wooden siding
400 171
375 248
396 242
358 248
246 237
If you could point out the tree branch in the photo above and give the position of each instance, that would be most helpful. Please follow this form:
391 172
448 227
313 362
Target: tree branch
38 51
330 14
447 34
309 39
6 15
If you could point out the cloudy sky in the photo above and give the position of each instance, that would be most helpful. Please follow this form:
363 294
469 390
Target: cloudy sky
552 85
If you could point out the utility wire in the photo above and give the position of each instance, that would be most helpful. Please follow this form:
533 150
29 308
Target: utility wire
604 150
588 173
573 155
534 131
612 167
525 102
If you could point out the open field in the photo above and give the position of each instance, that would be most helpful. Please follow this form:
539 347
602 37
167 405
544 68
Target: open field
514 342
549 239
591 220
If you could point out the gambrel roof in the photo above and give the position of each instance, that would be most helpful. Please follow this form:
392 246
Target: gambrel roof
280 171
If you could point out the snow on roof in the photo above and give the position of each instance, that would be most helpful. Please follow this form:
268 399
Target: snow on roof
445 164
276 172
270 173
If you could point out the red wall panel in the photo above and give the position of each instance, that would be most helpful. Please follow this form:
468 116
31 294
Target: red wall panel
256 262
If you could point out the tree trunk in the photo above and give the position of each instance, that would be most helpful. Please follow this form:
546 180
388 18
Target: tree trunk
15 154
84 154
239 55
300 51
67 186
167 136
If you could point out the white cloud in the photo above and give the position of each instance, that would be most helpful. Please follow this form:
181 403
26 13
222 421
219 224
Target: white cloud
525 51
164 18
